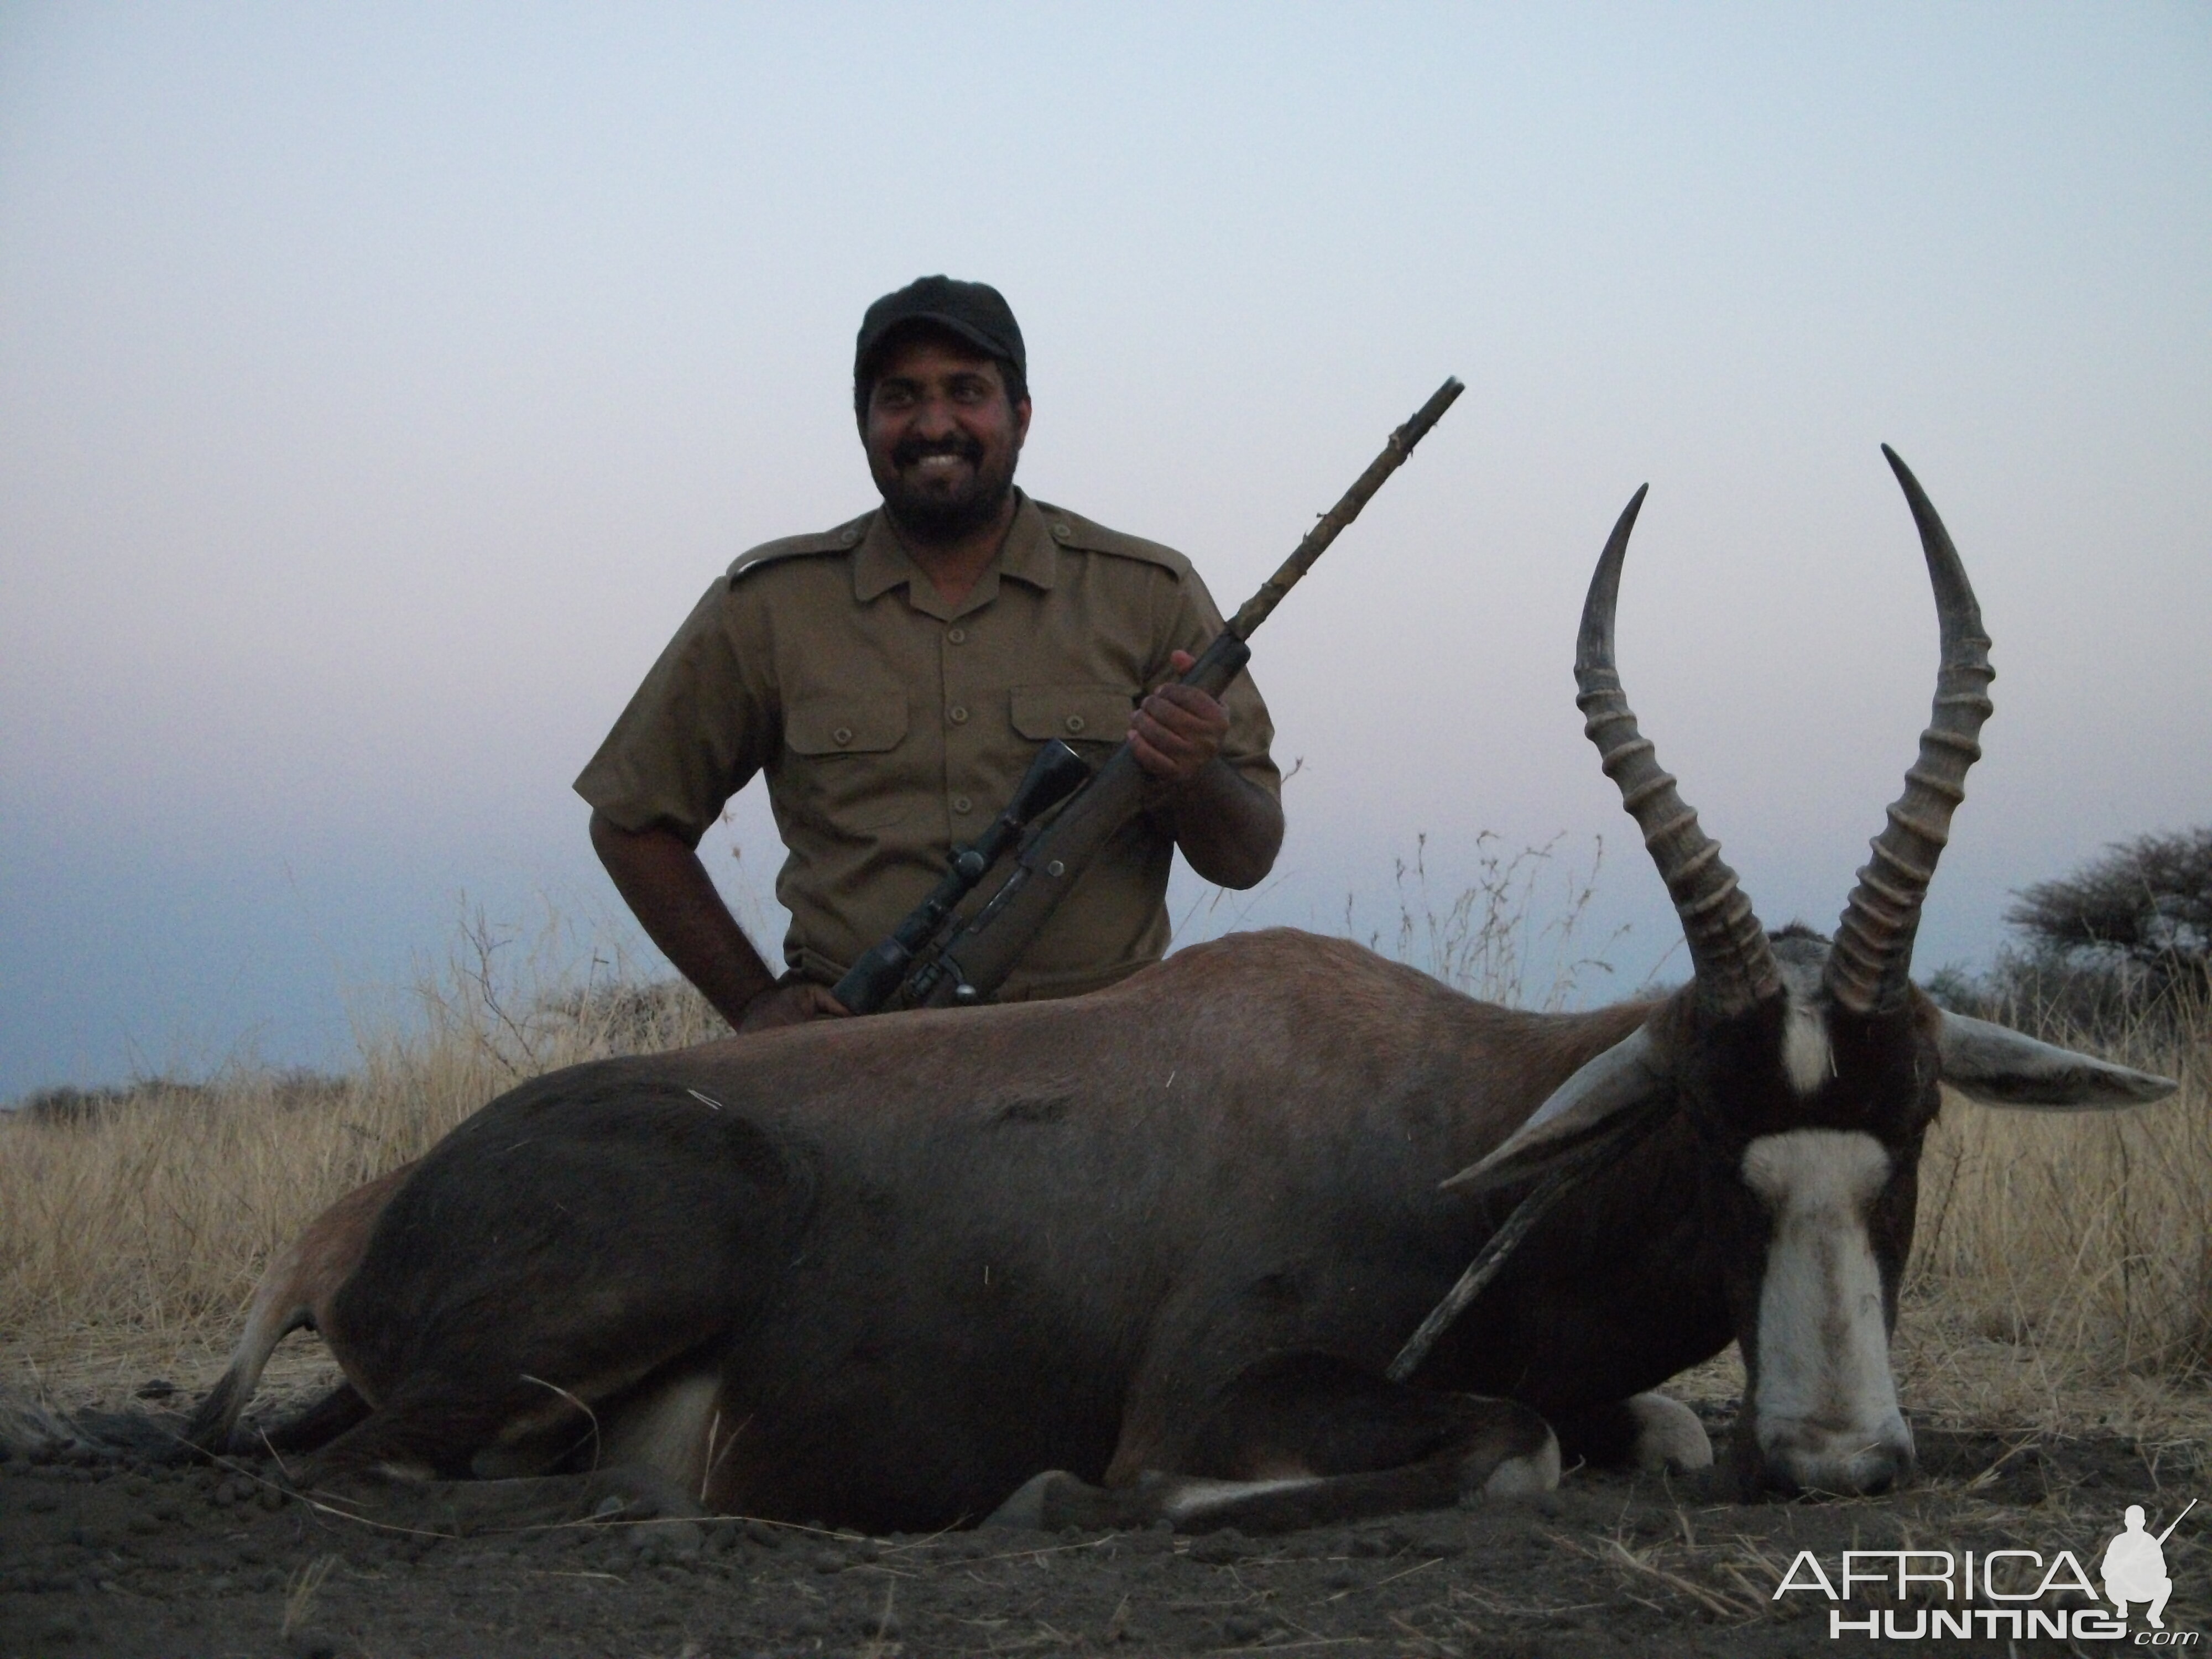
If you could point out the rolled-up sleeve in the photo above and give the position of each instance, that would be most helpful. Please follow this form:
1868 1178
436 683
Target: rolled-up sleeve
693 735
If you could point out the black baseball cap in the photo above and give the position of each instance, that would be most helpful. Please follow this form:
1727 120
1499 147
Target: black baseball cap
976 311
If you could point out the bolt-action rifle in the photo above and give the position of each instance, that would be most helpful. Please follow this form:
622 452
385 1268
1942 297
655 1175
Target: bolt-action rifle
934 957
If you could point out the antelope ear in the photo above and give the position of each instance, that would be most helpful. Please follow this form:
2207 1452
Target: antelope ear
1605 1095
1998 1066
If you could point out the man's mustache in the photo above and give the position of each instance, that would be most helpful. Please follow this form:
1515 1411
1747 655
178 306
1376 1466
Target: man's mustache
916 449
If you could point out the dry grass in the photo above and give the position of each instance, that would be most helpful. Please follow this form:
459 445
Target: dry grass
2063 1280
2062 1272
1513 935
132 1237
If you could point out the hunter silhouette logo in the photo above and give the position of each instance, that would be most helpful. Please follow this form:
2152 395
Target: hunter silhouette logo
2134 1565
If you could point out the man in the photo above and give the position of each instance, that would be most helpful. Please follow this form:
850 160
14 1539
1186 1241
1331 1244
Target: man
894 677
2135 1567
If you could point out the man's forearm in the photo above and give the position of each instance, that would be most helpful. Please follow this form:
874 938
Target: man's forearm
674 899
1229 829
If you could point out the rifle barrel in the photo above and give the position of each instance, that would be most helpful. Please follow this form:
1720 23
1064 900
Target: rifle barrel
2176 1522
1332 523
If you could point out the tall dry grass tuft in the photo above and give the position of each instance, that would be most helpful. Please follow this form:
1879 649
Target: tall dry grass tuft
1513 935
134 1222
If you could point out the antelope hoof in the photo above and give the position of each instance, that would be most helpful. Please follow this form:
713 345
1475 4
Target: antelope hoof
1037 1498
1527 1463
1668 1435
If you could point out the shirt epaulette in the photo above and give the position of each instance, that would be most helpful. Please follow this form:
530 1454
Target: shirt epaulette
1073 529
843 539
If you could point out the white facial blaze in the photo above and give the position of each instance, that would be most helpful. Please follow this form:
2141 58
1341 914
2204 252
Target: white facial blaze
1806 1056
1827 1410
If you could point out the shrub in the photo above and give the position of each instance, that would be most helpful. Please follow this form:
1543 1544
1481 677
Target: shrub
2142 909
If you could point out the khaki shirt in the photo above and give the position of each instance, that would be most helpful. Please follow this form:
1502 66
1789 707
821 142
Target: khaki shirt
891 725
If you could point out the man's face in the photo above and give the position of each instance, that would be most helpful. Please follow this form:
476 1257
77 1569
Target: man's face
942 437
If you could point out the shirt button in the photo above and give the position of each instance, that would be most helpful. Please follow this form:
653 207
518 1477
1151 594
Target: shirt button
961 803
842 736
956 635
847 536
1075 722
958 714
1060 532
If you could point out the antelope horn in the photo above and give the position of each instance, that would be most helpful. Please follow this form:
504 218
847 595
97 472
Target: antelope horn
1871 964
1728 951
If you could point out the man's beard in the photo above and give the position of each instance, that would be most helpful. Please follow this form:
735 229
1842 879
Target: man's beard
933 515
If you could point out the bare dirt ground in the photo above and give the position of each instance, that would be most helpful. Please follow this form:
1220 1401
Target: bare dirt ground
123 1559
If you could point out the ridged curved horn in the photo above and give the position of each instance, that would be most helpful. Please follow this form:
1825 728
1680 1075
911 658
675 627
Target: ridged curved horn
1872 962
1734 963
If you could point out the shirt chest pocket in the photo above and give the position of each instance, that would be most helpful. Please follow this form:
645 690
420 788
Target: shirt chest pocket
1073 714
844 767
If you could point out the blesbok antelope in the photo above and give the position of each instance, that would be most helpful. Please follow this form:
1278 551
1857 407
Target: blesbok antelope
1148 1254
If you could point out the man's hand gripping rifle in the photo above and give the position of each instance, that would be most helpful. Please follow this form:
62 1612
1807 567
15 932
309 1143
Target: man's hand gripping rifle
934 957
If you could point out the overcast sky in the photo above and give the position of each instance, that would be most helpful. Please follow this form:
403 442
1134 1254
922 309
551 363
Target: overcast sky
380 385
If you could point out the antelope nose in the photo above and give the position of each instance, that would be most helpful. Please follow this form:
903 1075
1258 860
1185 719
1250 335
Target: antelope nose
1863 1464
